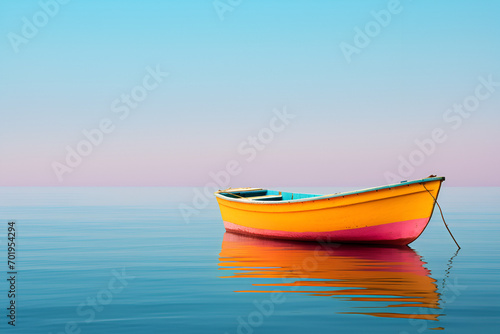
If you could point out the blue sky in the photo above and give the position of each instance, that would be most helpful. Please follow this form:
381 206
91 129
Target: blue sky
353 119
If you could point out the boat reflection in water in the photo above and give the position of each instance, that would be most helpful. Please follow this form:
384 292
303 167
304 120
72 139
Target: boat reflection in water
388 278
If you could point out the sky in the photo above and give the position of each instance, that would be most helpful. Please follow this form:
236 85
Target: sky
248 93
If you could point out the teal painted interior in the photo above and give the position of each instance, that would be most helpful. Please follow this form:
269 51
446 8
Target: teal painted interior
288 196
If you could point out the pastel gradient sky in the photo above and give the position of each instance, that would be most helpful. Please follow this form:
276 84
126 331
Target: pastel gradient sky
353 122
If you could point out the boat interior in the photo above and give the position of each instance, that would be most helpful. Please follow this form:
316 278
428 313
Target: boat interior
258 194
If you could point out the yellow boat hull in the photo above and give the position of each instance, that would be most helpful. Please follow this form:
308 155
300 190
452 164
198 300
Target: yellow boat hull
395 214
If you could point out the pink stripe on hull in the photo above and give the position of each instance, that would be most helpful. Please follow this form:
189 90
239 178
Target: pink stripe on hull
399 233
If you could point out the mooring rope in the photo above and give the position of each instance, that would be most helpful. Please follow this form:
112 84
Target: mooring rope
441 211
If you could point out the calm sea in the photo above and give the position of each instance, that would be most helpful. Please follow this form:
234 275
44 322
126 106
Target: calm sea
123 260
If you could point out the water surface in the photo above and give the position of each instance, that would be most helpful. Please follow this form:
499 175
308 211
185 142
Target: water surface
123 260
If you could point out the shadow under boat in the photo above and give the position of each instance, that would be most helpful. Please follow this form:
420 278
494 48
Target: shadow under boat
392 279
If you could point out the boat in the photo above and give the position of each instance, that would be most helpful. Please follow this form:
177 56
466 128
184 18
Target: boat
394 214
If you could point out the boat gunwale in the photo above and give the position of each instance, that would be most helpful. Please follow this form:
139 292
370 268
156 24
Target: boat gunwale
218 194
